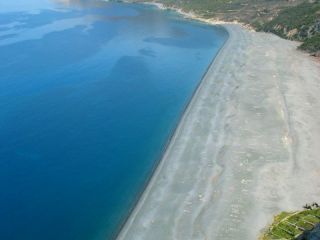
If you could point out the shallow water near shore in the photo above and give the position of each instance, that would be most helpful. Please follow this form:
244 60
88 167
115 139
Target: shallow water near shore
90 93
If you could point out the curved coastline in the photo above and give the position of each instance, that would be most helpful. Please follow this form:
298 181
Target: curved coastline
241 149
171 140
157 165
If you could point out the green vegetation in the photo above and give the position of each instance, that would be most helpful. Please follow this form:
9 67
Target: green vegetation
247 11
292 225
311 44
305 14
301 23
292 19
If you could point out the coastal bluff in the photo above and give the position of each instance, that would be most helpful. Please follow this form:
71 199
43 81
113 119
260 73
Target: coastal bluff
247 147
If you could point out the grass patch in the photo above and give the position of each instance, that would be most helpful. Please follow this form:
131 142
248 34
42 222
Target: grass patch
312 44
290 225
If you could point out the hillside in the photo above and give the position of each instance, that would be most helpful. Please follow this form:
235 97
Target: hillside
292 19
247 11
301 23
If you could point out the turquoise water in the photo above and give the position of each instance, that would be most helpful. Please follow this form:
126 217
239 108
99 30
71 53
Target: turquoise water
90 93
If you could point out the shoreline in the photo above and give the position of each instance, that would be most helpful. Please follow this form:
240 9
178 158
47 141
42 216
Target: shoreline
241 150
168 142
194 16
168 145
172 135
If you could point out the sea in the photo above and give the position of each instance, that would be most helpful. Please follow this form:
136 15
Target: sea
90 94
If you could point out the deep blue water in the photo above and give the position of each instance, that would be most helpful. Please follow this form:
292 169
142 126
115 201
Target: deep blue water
90 93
